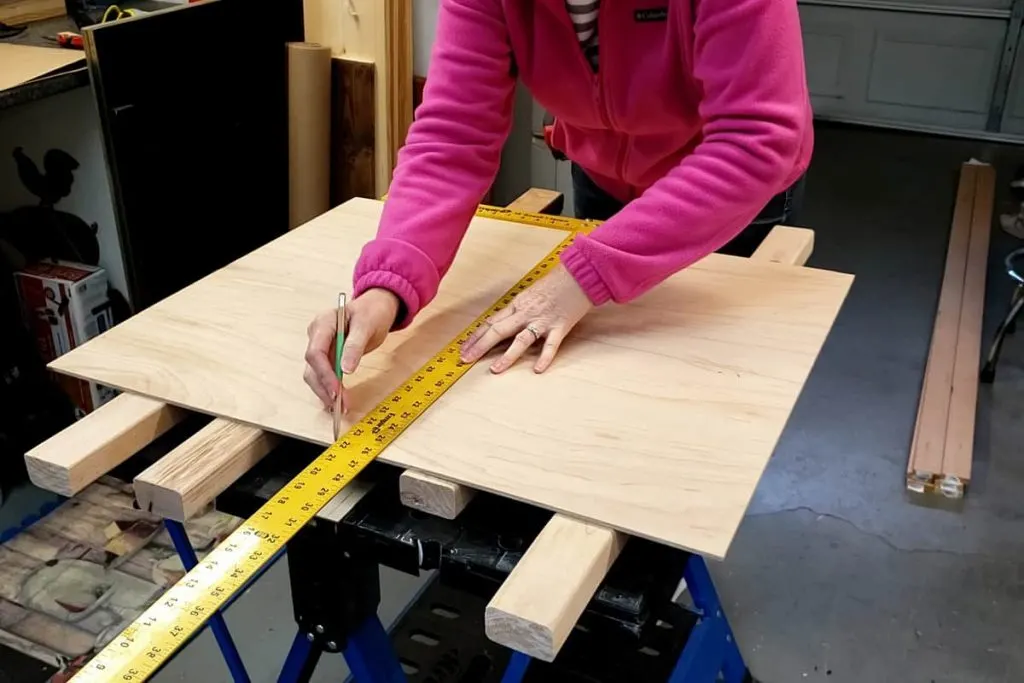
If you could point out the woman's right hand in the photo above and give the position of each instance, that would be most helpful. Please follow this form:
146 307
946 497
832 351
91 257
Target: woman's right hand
370 317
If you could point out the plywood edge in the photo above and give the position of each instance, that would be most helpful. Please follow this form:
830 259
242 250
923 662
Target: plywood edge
958 454
925 462
433 495
80 454
539 603
188 478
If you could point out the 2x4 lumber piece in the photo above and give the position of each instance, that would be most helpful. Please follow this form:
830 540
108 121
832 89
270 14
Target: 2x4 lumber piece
77 456
436 496
539 603
430 494
186 480
959 447
928 446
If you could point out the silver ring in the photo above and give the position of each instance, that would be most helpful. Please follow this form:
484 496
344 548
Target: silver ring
533 330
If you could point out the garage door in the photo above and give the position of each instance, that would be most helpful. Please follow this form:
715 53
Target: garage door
944 64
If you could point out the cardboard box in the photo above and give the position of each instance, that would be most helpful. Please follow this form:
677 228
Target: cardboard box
64 305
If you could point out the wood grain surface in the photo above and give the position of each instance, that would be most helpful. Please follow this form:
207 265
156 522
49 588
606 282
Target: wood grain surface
21 63
963 402
540 602
929 441
183 483
379 32
77 456
353 172
657 418
20 12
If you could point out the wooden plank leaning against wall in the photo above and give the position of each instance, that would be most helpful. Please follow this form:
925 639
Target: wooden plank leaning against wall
376 33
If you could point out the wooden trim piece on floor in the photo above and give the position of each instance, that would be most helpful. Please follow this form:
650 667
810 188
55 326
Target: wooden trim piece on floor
942 446
186 480
539 603
83 452
933 411
959 449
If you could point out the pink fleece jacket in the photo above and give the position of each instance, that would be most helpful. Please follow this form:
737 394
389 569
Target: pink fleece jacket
699 114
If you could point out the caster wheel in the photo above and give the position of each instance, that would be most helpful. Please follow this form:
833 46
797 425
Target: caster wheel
988 374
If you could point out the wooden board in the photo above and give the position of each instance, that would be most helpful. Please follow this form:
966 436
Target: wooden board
539 603
942 447
963 403
353 170
20 12
77 456
22 63
933 411
378 32
657 418
182 483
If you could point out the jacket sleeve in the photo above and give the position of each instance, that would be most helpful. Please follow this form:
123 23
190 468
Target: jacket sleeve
450 157
748 58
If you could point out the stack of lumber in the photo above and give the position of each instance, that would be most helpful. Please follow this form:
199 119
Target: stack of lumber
943 444
657 420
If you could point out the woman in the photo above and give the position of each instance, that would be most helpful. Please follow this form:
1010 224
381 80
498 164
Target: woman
687 121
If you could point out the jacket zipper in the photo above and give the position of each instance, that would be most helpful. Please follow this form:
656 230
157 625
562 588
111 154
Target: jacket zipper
598 83
606 111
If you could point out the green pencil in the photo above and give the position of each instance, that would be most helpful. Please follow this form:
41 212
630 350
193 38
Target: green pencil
339 345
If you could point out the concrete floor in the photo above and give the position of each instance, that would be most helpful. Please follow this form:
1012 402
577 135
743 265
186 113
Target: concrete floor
834 576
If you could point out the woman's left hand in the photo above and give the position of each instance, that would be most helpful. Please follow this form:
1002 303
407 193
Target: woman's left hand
545 312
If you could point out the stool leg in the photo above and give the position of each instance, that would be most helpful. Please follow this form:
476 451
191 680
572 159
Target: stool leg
1018 293
988 372
220 629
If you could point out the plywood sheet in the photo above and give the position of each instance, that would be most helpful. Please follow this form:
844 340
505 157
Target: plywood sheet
22 63
657 418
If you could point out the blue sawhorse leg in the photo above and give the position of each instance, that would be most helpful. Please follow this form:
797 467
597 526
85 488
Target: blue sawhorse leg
220 629
516 668
711 647
301 662
370 656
